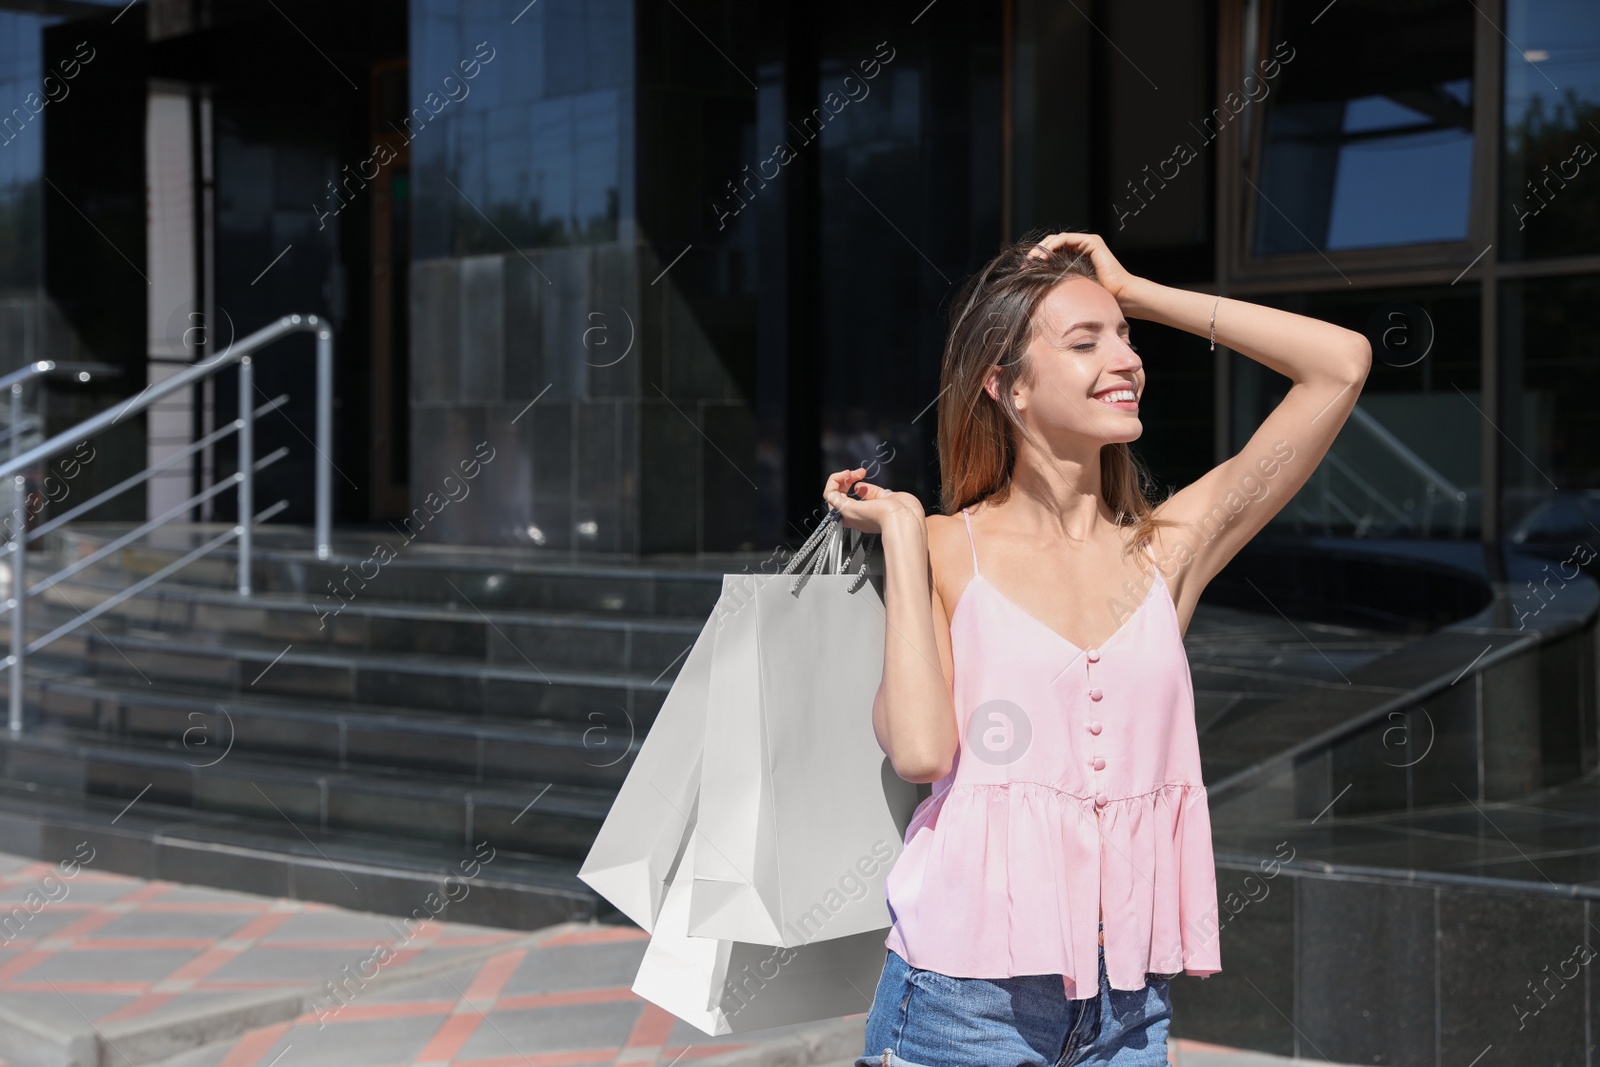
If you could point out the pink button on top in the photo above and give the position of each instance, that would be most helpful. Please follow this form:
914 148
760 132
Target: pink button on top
1095 694
1093 655
1094 727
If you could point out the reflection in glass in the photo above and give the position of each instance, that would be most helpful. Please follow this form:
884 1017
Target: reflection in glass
1552 128
1550 455
531 150
21 149
894 242
1406 463
1368 134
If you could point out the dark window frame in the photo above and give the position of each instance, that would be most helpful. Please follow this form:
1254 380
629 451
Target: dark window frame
1295 270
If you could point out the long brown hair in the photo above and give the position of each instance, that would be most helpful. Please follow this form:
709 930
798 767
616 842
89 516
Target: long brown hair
992 324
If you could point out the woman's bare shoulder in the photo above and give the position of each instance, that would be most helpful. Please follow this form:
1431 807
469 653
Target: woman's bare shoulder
942 531
947 553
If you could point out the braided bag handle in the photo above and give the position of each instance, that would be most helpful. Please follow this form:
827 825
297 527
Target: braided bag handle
824 552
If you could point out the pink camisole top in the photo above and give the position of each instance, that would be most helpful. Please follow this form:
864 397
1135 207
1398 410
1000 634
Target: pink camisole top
1075 792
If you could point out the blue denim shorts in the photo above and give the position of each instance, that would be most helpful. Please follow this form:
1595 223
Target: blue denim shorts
921 1018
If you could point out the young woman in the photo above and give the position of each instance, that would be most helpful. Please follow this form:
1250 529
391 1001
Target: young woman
1061 871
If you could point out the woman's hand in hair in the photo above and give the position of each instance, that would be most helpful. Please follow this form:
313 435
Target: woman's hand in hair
875 509
1113 277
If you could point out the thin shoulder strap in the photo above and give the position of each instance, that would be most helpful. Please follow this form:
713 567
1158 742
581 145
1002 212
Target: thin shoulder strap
1150 551
970 541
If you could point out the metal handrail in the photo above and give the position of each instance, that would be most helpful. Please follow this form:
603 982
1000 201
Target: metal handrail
32 370
116 543
38 368
81 371
244 479
1367 487
21 426
1398 447
170 460
1432 479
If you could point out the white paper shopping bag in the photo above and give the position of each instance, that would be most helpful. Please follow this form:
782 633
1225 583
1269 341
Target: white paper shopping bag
642 837
726 987
801 815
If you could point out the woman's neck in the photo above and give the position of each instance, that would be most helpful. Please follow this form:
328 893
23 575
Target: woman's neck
1058 496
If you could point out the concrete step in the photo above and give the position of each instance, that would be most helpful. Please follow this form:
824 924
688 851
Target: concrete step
274 856
561 640
492 579
309 795
339 736
227 666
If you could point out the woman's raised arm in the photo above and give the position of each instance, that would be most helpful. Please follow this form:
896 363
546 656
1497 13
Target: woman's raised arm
1326 364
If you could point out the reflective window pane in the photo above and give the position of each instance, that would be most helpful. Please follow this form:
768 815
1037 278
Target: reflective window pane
1407 462
1368 134
533 151
1549 199
1550 454
892 239
21 149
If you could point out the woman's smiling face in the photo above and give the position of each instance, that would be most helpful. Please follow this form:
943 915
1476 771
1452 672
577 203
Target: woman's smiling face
1086 378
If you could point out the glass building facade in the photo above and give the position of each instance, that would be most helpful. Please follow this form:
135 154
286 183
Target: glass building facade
672 263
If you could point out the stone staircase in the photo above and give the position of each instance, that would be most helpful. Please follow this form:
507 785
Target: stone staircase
449 698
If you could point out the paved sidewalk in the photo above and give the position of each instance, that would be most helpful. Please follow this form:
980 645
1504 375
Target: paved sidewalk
113 950
150 968
98 967
564 1000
